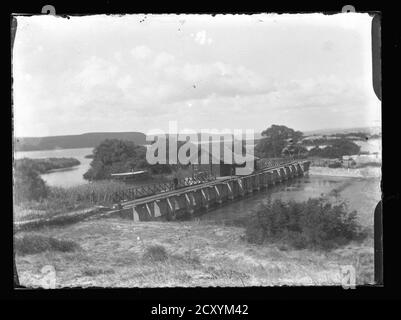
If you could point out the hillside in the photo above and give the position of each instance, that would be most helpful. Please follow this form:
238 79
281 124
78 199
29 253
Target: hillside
86 140
91 140
368 130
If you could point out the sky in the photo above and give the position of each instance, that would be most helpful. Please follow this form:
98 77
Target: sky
138 72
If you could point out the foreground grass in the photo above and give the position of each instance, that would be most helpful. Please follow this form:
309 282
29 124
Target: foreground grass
122 253
36 243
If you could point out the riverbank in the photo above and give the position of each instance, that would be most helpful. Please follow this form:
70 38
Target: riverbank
112 251
367 172
47 165
63 200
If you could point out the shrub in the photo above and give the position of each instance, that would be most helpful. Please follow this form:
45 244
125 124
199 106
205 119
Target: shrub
156 253
34 243
28 185
336 149
335 165
368 164
47 164
309 224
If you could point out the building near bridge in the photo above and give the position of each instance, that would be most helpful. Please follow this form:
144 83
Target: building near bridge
218 167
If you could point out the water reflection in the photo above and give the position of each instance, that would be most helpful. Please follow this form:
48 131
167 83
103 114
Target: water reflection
359 194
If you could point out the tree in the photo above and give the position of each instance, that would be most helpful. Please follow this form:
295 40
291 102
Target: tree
113 156
294 149
275 140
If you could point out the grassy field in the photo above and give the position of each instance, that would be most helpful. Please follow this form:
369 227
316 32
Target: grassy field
121 253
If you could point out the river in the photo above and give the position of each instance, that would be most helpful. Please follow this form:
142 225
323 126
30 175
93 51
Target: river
68 177
360 194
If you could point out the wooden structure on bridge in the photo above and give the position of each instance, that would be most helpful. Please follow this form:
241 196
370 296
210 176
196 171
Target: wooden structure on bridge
219 167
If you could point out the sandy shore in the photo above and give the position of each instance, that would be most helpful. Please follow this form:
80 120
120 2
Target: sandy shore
368 172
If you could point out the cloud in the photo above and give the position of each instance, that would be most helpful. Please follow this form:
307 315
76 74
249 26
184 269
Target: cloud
141 52
162 60
201 38
168 87
96 71
85 74
327 45
164 78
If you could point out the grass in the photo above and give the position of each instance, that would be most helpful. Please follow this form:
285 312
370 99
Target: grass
91 193
368 164
94 272
62 200
35 243
155 253
121 253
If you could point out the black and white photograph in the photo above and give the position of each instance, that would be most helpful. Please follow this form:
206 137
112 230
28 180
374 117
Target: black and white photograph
194 150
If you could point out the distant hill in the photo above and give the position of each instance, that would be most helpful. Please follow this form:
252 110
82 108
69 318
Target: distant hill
369 130
86 140
91 140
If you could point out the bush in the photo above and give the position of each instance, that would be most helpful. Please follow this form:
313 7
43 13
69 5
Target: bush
47 164
309 224
28 185
156 253
336 149
368 164
335 165
33 243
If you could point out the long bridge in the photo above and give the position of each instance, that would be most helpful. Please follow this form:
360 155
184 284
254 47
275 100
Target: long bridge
186 201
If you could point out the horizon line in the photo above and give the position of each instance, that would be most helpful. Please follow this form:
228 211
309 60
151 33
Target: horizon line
259 132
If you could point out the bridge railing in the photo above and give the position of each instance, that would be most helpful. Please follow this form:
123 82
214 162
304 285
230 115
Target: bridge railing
265 163
152 189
